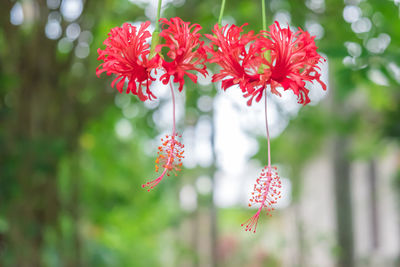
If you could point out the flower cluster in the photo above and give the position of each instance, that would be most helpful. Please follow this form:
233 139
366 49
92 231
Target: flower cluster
127 56
278 58
274 58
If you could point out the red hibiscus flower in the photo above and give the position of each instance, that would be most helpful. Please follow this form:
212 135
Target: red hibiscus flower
126 56
237 56
294 60
186 51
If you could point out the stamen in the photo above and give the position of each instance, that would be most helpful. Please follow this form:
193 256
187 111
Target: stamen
170 156
267 191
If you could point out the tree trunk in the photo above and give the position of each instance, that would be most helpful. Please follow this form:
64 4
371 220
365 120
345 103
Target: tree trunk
344 219
213 208
301 246
373 204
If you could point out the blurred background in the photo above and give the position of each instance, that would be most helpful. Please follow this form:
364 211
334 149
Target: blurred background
74 152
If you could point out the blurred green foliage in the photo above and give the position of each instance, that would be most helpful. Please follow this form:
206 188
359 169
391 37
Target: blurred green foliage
70 188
